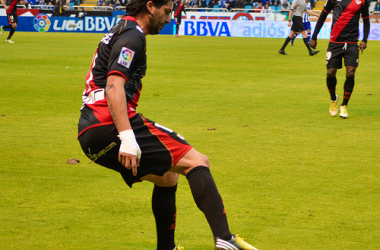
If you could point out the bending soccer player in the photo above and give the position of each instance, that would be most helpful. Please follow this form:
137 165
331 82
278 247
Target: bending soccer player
113 135
343 44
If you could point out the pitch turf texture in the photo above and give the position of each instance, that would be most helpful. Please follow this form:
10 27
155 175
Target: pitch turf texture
291 176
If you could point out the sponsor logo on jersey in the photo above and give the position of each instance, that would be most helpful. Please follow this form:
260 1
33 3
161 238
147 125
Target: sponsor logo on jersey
126 56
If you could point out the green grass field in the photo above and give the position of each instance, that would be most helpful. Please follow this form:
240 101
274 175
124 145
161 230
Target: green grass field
291 176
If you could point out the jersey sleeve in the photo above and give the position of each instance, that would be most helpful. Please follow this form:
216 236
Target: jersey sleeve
366 22
127 49
326 10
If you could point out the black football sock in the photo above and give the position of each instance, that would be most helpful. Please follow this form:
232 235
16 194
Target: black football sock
287 40
348 88
209 201
164 211
331 85
11 33
306 42
9 26
177 29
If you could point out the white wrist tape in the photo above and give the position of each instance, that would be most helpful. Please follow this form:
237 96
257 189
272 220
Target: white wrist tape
129 144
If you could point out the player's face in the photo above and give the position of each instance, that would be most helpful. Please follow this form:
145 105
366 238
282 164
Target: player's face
160 17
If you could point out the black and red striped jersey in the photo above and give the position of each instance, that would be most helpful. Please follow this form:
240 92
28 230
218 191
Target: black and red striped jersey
346 17
12 4
122 51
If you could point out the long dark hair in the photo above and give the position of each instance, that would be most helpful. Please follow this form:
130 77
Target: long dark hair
137 7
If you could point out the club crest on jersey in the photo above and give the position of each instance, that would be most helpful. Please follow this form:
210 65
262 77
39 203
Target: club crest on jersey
126 56
358 2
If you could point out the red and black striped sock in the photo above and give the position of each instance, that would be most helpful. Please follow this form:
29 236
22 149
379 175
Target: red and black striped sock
348 88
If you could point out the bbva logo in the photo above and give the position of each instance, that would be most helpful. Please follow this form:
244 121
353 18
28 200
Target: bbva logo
206 28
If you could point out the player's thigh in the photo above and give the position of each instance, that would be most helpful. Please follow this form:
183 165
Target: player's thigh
351 55
334 56
169 179
189 161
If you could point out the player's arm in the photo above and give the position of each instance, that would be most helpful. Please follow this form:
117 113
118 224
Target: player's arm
326 10
366 24
4 5
311 13
129 154
290 17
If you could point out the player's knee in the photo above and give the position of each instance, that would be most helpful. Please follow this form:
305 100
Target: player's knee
330 73
350 74
169 179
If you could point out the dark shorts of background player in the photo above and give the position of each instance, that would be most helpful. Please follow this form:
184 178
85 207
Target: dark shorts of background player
337 51
160 147
12 18
178 19
297 25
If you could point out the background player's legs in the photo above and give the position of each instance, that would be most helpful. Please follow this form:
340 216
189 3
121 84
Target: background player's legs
308 35
306 42
294 37
287 40
348 84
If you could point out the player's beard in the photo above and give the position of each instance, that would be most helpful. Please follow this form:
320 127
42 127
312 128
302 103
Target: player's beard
155 24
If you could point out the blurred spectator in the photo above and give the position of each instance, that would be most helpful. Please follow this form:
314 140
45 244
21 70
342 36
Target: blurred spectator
239 4
275 3
266 9
100 2
68 5
59 10
212 3
285 4
377 6
81 13
117 4
232 4
259 8
123 2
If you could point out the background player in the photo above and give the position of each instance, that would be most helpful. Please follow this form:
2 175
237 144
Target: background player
298 8
306 24
178 8
343 44
113 135
11 9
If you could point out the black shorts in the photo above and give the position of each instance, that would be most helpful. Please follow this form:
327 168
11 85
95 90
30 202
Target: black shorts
337 51
12 18
161 148
178 19
297 25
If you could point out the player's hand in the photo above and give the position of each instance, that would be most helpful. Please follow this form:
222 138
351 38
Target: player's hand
6 7
129 153
362 46
290 23
313 43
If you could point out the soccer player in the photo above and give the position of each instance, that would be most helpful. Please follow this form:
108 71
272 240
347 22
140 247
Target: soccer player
11 10
178 8
298 8
343 44
306 24
113 135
